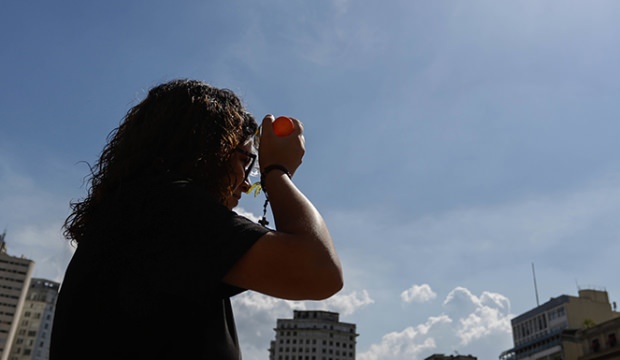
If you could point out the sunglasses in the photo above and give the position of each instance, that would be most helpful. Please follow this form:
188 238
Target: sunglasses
251 168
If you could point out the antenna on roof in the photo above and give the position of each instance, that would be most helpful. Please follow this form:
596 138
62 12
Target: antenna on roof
535 286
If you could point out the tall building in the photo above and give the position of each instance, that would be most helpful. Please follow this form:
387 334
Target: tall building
543 333
34 329
15 274
313 335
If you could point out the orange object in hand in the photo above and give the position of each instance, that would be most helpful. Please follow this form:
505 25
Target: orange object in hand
283 126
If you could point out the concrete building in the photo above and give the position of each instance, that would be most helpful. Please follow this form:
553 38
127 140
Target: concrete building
34 329
544 333
313 335
15 275
596 341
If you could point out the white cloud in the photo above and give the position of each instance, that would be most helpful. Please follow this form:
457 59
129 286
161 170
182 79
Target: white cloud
347 304
408 343
479 316
470 322
483 322
461 296
418 293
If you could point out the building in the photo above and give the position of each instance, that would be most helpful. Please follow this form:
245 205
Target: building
313 335
548 331
451 357
15 275
597 341
34 329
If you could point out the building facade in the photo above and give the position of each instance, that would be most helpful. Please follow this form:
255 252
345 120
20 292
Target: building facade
15 275
313 335
597 342
34 329
547 331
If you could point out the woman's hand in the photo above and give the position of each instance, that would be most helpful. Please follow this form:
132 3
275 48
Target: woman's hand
286 151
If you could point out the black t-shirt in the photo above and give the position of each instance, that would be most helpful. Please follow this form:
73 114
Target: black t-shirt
145 283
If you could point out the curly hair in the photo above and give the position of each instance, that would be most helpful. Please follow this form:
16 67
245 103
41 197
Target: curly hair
184 128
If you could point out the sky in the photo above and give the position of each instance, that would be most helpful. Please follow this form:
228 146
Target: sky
450 145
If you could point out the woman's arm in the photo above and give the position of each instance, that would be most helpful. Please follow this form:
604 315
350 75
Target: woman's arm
298 260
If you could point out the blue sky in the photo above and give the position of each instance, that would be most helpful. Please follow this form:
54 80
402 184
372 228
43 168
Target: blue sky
450 144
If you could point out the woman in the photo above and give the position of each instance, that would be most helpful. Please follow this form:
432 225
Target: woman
159 249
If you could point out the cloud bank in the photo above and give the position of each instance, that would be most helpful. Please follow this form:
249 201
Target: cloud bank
468 322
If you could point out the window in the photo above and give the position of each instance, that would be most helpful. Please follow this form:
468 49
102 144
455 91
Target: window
595 346
611 340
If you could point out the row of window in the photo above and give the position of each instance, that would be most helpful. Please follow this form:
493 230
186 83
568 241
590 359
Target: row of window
313 350
9 296
20 263
37 315
314 326
537 325
530 327
301 341
556 313
15 288
31 333
595 344
38 297
13 271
